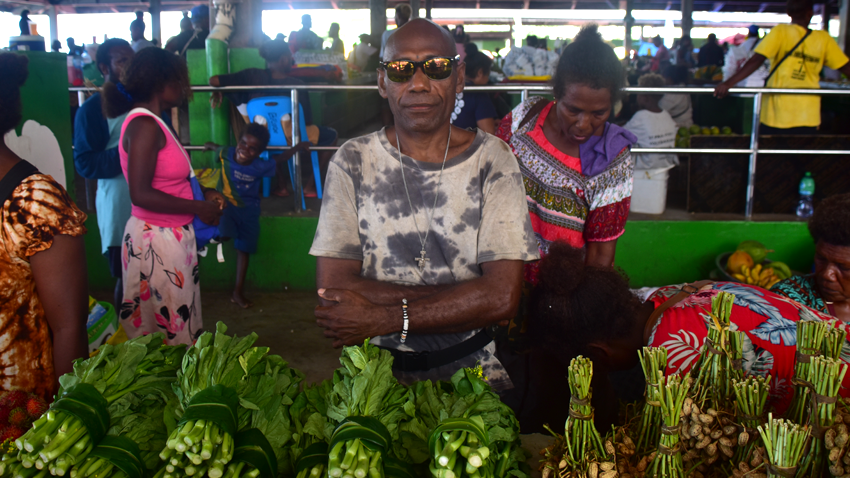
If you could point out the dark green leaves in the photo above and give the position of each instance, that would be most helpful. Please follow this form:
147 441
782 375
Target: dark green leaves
253 448
368 429
86 403
217 404
123 453
315 454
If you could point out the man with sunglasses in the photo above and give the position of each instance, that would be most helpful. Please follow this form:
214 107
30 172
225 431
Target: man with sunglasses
423 230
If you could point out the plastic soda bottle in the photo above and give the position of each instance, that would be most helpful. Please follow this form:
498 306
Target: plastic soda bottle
805 208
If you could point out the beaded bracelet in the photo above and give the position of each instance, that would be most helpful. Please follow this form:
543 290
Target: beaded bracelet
406 322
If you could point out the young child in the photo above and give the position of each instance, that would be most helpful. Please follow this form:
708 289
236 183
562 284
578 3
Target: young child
240 181
653 127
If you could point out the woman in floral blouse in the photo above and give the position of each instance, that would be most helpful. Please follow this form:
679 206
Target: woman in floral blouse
592 312
43 285
576 166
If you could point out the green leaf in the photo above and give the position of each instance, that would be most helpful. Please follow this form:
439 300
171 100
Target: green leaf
217 404
367 429
123 453
86 403
252 447
315 454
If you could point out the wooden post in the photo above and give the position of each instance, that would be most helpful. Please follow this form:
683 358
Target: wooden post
428 4
414 6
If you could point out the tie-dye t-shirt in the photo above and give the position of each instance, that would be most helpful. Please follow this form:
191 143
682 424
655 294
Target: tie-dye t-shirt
481 216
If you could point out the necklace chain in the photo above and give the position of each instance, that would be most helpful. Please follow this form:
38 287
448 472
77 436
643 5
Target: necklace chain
421 259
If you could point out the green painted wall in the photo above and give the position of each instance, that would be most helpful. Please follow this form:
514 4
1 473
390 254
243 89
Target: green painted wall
46 100
651 252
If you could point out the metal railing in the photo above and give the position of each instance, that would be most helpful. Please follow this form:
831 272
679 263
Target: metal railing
524 90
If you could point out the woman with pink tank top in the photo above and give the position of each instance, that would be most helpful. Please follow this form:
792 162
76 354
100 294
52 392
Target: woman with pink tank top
159 253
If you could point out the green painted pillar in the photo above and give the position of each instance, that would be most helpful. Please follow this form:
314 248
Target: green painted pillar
217 65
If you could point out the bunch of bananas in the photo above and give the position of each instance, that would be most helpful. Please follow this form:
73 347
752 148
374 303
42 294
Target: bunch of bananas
758 275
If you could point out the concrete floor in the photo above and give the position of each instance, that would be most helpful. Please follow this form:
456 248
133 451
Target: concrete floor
283 321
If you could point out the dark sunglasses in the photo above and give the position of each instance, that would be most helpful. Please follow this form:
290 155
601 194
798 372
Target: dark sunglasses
437 68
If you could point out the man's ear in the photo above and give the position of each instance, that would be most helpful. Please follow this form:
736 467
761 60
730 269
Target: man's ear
461 77
382 85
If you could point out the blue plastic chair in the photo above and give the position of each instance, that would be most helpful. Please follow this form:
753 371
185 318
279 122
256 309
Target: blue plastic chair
273 108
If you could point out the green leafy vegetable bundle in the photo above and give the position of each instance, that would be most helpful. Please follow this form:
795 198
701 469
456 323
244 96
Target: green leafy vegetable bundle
234 400
101 391
472 433
311 431
367 405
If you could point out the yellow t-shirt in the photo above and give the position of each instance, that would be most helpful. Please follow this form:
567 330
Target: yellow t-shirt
800 70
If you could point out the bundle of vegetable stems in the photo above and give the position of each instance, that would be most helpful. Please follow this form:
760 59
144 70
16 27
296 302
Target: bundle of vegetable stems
196 448
59 440
652 360
581 434
785 443
721 354
668 461
810 338
751 395
825 376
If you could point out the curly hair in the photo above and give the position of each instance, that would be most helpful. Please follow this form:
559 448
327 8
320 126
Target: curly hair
15 72
831 221
148 73
105 49
574 304
589 61
258 131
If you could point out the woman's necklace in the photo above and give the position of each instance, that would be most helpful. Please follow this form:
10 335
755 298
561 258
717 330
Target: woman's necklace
421 260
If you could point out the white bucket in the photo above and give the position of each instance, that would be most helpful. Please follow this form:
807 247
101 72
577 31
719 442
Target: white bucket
649 195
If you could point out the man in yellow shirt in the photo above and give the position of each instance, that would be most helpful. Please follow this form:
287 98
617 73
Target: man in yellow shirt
792 114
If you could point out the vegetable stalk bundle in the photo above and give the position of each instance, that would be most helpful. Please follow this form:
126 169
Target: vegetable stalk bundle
366 404
668 461
751 396
785 443
810 338
652 360
580 432
226 386
825 376
833 340
720 360
467 430
90 398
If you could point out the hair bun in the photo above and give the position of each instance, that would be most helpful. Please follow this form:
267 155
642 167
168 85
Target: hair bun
589 32
562 270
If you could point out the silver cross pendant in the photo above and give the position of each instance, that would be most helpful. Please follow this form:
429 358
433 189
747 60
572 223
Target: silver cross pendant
421 260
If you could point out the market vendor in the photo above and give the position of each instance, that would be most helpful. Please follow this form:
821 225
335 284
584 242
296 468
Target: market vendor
592 312
577 166
828 289
424 228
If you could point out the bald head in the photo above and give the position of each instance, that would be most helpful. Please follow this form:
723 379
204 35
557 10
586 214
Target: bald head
418 35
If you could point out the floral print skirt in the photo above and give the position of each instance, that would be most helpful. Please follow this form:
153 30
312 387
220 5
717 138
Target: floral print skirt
161 287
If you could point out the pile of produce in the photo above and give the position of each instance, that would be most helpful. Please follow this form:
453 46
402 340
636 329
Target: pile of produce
683 135
714 422
224 408
18 410
748 265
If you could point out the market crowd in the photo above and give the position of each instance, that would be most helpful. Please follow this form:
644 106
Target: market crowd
450 245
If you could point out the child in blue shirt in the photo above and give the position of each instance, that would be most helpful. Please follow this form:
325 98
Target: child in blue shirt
240 182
